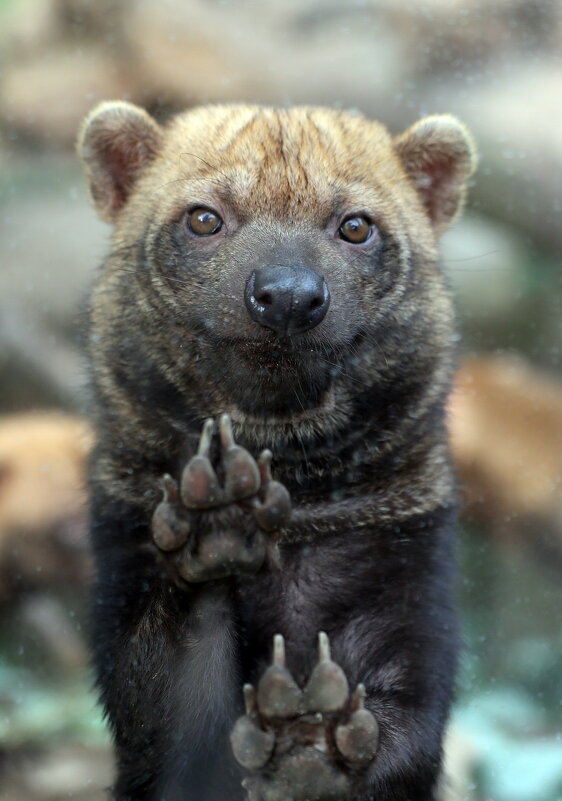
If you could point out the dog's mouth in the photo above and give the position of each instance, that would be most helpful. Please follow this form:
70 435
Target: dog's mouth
277 360
271 353
278 355
272 376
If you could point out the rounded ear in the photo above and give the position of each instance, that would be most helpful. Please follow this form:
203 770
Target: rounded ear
439 156
116 143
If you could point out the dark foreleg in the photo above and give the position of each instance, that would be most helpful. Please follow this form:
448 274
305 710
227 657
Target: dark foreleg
166 667
384 599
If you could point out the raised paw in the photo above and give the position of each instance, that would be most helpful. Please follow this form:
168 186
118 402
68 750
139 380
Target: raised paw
305 744
214 523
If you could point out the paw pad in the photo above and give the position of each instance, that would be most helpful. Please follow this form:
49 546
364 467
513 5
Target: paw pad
219 541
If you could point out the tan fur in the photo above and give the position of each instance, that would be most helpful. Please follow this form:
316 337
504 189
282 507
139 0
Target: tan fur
273 159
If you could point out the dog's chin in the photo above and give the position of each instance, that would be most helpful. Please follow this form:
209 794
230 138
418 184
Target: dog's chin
269 383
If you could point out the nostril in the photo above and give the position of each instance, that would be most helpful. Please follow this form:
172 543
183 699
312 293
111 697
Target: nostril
316 302
264 298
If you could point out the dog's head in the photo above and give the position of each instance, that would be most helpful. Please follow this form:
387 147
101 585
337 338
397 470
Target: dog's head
277 254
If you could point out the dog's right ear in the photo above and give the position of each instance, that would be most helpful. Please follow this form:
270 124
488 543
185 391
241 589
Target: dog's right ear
117 141
439 156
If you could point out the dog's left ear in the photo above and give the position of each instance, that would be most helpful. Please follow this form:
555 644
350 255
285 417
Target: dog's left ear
117 142
439 156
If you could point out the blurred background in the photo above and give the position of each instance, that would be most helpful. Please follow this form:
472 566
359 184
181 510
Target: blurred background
497 64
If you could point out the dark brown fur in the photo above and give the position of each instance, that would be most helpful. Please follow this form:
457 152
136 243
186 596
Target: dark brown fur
353 413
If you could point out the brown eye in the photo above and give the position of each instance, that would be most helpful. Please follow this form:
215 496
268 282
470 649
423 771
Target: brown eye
203 222
356 230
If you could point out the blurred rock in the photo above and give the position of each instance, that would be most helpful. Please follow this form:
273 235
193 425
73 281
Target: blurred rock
46 96
50 243
77 772
508 293
485 262
200 52
31 24
51 627
514 114
28 25
496 66
456 35
522 161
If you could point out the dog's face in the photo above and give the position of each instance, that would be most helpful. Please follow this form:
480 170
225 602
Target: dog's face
278 250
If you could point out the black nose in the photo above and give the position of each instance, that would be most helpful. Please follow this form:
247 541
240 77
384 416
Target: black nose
289 300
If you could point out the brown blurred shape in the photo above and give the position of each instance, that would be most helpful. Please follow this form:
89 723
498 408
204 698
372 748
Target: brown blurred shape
506 426
42 501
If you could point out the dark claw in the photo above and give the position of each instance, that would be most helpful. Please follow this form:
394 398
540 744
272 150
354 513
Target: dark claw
225 433
170 527
206 438
264 466
250 700
278 694
327 689
241 474
358 739
169 489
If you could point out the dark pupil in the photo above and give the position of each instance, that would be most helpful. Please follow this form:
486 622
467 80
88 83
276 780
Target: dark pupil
356 229
204 222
